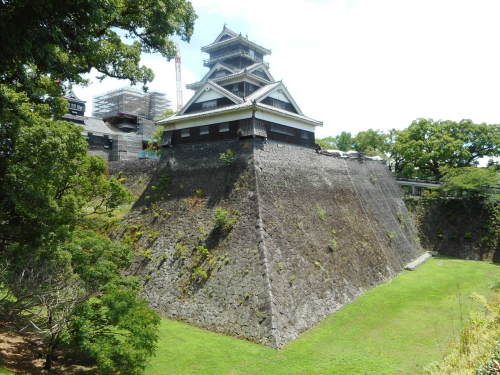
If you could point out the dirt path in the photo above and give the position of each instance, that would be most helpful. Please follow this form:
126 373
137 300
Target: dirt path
23 355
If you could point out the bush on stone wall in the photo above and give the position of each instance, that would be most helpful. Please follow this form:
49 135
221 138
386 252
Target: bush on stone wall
228 157
224 220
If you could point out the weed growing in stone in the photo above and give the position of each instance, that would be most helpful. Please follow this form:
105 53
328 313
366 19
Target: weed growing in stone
332 245
146 253
228 157
224 220
199 274
162 184
180 249
202 250
321 214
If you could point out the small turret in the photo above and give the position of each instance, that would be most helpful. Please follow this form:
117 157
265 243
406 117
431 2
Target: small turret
76 106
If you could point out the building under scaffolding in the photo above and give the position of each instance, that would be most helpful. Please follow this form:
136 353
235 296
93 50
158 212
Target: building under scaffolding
117 136
149 105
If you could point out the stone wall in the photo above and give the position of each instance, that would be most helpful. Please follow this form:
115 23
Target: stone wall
312 232
333 228
463 228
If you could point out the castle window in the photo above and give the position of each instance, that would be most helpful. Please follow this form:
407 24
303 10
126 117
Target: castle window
185 133
211 104
282 130
223 127
304 134
204 130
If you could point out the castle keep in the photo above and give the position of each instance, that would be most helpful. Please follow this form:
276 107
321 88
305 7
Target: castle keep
238 98
266 240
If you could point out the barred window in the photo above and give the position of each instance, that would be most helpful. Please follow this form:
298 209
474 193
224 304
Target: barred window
204 130
282 130
223 127
185 133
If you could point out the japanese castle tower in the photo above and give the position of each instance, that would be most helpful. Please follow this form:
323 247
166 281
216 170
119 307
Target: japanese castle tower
238 98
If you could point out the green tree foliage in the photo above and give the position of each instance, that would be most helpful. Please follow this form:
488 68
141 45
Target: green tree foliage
428 146
66 38
371 142
468 181
344 141
59 279
327 143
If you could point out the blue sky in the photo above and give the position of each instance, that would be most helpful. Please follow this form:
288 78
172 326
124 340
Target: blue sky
359 64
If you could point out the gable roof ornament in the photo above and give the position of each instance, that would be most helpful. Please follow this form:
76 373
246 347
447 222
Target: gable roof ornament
225 31
266 91
210 85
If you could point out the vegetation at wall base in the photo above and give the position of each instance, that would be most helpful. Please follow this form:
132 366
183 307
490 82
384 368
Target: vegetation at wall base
479 342
397 328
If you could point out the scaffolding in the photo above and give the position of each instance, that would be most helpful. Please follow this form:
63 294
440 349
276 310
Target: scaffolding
149 105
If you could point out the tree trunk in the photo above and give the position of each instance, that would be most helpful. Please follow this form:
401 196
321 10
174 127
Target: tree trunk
48 361
50 355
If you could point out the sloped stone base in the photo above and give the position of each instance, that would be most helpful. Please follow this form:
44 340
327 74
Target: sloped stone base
312 233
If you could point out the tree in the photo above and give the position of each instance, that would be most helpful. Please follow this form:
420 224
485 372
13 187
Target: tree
471 181
371 142
344 141
326 143
428 146
67 38
49 187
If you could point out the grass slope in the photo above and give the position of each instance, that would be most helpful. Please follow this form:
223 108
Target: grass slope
396 328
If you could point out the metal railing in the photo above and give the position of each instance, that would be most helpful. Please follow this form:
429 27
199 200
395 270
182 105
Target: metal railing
243 53
421 180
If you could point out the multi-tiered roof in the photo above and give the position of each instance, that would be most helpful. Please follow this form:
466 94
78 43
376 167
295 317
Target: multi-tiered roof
238 82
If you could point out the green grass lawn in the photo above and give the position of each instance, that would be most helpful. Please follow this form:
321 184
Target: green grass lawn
396 328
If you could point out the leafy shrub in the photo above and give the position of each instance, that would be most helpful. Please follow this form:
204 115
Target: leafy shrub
202 250
199 274
180 249
492 367
228 157
470 354
224 220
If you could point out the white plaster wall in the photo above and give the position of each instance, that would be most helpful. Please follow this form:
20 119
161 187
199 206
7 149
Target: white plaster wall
208 95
